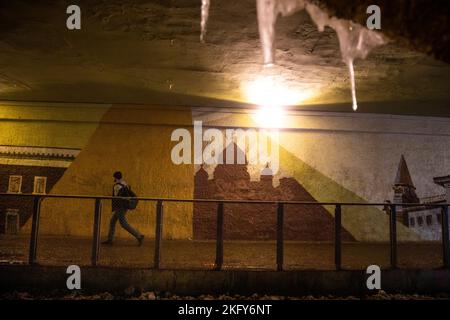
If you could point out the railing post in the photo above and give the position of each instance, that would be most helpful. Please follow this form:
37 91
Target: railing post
393 236
96 231
280 236
337 237
34 230
445 237
219 239
158 233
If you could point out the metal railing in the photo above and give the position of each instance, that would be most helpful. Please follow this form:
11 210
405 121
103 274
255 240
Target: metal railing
220 225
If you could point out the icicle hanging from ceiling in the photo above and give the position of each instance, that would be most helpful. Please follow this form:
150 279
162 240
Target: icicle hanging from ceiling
268 11
205 16
355 41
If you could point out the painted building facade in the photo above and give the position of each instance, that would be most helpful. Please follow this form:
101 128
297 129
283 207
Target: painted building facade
28 170
257 221
426 218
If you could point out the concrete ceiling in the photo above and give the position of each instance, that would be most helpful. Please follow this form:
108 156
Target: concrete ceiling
148 52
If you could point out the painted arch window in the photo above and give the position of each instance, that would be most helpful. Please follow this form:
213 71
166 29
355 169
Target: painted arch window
15 184
429 219
40 185
420 221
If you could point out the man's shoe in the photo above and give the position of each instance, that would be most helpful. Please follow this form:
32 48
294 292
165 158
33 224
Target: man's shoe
140 240
107 242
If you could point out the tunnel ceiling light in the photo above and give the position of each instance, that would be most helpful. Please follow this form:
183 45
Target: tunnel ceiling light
270 116
272 96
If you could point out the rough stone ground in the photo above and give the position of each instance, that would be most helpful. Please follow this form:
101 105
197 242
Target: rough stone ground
201 255
132 294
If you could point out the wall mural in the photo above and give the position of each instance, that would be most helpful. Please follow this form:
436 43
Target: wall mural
422 219
244 221
257 221
40 170
28 170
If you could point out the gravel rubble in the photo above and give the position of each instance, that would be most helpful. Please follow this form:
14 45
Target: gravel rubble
132 293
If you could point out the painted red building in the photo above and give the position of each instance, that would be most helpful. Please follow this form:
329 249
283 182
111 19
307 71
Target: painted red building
28 170
257 221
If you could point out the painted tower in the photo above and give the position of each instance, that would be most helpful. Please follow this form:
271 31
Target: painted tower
404 189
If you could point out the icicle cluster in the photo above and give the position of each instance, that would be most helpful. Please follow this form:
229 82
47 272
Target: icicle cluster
355 41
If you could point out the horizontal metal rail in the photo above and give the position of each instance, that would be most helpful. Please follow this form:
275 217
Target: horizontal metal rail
279 212
313 203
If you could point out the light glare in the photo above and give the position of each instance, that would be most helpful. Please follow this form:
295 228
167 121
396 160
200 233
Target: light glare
272 96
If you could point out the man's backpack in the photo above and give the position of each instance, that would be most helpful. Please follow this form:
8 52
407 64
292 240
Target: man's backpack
132 202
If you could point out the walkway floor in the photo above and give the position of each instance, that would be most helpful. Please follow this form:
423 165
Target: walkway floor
201 254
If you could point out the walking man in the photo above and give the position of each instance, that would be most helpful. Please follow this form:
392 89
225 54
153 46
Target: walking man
119 210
